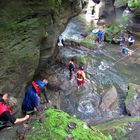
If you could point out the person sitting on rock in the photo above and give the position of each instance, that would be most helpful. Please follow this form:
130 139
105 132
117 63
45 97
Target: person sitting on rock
126 51
31 100
80 77
131 40
71 67
6 114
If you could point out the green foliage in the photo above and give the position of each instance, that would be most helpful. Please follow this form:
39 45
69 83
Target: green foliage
46 35
111 31
54 127
133 3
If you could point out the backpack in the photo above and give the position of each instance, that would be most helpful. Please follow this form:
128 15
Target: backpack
35 86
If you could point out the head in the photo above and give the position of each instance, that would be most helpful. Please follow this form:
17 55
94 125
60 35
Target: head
102 63
45 81
81 68
11 101
72 59
41 84
5 96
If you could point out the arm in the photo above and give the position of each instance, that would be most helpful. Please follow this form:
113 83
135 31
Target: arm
20 120
45 95
5 96
83 74
8 117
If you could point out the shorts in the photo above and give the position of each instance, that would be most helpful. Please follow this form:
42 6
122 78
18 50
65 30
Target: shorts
80 82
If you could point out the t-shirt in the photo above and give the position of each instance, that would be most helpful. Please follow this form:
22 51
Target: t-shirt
71 66
131 39
99 34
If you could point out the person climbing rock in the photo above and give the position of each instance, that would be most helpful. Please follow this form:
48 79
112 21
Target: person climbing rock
122 40
126 51
100 36
6 104
80 77
131 40
71 67
43 88
31 100
61 41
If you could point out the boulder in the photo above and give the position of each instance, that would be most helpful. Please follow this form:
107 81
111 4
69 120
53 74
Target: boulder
110 99
132 101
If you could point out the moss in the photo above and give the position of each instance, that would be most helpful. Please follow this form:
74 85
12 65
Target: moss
130 93
81 60
88 41
54 127
116 128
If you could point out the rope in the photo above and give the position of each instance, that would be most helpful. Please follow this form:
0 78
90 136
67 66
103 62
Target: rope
124 57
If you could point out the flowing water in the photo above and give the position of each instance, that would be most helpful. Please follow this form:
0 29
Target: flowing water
117 70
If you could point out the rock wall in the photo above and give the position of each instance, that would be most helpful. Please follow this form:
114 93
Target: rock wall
106 9
27 27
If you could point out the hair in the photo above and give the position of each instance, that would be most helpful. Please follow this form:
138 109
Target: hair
72 59
12 100
45 80
81 68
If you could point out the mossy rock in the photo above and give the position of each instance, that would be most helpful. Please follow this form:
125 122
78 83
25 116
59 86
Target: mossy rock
88 41
81 60
54 127
130 92
116 128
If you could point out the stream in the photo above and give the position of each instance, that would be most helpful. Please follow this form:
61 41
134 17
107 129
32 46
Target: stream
119 71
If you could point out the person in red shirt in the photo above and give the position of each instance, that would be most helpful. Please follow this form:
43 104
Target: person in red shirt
80 77
6 114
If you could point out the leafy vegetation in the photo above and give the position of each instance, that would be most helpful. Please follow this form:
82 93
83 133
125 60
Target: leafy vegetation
111 31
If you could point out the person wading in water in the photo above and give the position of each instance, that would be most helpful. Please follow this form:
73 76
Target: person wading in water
71 67
80 77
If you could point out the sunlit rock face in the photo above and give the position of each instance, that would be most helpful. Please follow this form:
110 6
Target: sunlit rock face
105 9
27 27
134 10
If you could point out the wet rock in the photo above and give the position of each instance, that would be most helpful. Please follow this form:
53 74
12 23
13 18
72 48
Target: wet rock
110 99
24 33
